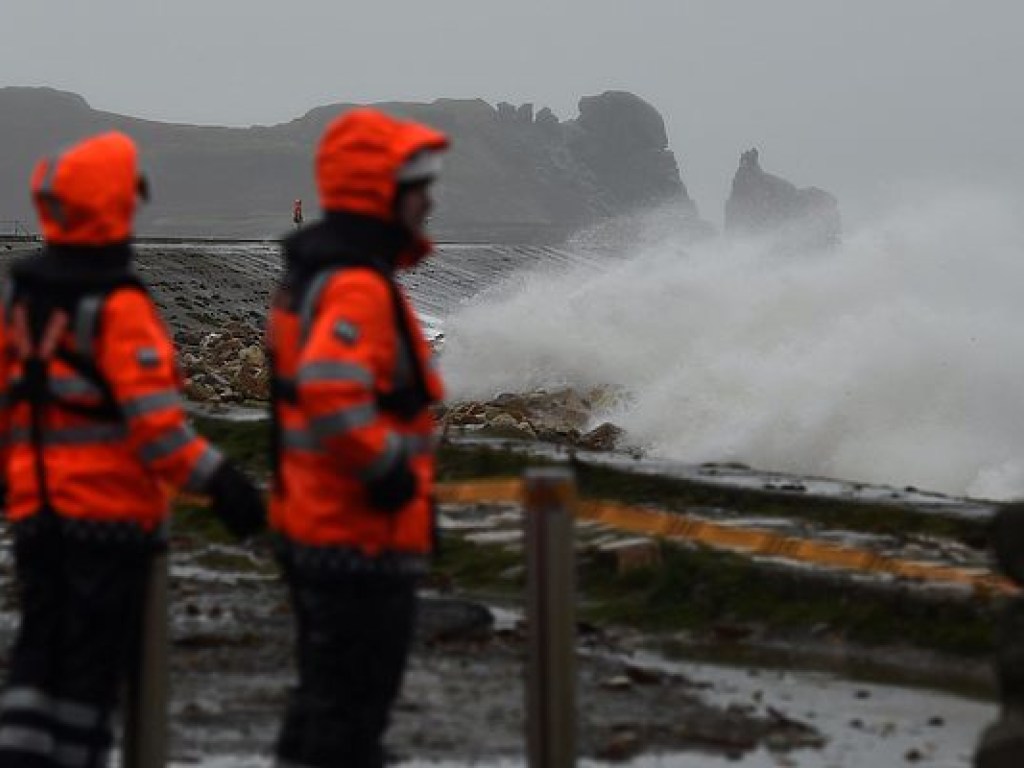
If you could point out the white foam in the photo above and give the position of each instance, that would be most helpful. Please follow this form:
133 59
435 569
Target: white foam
898 358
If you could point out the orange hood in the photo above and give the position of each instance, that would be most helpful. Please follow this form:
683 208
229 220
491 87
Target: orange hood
359 157
87 194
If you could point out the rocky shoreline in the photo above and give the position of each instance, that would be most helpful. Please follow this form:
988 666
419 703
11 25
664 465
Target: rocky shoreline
230 367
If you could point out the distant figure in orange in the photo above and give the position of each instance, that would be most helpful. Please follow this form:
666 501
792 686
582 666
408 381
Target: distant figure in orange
297 213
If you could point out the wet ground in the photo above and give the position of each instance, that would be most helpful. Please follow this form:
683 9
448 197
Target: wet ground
462 704
462 700
463 695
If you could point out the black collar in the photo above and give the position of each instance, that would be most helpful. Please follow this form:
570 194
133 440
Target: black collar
76 266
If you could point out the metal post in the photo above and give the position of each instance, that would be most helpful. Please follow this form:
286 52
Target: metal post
550 498
145 719
1002 744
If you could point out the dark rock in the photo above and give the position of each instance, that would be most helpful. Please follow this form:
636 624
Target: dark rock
763 205
445 619
644 675
604 438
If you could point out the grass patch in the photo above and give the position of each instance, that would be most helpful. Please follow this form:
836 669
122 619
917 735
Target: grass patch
200 522
461 564
458 463
699 588
247 443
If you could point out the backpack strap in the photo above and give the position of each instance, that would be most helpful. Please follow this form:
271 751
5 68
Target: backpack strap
308 298
37 385
87 322
36 351
410 394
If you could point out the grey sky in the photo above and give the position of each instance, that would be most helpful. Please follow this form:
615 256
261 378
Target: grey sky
857 97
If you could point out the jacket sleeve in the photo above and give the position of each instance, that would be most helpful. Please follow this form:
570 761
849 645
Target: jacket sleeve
136 356
350 349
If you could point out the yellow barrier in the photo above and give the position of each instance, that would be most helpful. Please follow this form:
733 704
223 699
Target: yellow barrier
480 492
682 527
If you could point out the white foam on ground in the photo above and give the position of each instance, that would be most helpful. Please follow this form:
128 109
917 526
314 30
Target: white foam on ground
898 358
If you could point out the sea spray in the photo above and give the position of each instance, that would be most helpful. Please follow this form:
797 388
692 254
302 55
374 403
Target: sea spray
896 358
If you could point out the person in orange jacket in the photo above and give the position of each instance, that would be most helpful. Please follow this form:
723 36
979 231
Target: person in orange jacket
93 438
354 435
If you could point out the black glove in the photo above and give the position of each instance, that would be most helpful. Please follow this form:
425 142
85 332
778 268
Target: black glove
236 501
392 491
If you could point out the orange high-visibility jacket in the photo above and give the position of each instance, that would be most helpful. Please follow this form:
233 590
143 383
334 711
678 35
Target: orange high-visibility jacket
353 373
114 468
92 425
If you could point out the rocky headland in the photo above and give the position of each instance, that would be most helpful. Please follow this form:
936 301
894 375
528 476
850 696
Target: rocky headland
767 206
514 174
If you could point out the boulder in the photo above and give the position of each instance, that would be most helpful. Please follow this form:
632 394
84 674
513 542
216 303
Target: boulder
440 619
603 438
253 356
506 425
559 416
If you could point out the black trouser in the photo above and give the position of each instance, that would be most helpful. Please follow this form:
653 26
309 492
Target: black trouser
353 637
80 604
